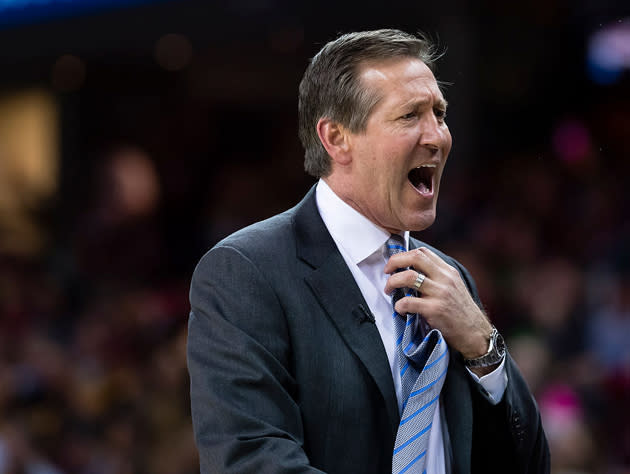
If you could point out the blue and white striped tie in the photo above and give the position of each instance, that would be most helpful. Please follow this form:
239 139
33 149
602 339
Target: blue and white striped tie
423 362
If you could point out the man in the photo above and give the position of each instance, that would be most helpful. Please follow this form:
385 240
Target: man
296 361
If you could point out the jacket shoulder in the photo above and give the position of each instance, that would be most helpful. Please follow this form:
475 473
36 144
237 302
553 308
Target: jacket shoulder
269 233
262 243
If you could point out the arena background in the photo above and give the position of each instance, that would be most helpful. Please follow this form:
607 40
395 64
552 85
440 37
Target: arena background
135 134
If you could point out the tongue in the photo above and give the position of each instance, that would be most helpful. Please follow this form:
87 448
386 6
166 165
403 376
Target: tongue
421 179
422 188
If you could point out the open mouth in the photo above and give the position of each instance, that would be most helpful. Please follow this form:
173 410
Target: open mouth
422 178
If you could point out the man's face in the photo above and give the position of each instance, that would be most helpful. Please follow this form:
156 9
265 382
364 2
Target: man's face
397 162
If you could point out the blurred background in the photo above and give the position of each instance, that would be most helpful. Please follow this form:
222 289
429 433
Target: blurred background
136 134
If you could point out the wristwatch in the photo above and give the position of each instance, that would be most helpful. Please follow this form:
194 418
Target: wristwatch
495 354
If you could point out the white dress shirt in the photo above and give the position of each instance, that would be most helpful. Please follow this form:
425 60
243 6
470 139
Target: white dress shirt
361 243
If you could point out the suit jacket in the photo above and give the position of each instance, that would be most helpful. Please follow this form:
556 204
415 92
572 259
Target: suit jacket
289 373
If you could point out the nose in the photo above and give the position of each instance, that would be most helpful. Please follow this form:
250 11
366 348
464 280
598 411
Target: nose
434 134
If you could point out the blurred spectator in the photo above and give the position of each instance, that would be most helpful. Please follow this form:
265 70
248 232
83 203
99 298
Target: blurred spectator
570 440
118 238
608 334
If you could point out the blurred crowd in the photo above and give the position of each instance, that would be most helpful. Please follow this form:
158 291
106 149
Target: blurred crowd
546 239
93 375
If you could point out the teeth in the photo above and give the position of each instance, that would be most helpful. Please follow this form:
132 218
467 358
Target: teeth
427 166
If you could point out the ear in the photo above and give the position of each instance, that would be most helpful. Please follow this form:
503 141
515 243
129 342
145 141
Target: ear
335 139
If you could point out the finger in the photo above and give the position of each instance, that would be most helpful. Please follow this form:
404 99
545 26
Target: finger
405 279
437 260
417 259
412 304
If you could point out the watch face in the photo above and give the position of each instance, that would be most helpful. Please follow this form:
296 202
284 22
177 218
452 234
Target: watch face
494 355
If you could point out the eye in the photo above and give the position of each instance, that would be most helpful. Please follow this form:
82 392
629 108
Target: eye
409 116
440 114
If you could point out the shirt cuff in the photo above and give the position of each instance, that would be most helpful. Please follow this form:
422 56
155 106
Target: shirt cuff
493 384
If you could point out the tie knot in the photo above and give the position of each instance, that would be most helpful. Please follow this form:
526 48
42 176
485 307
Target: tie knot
395 244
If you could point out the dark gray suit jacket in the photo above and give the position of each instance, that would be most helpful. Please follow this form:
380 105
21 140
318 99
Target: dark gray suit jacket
289 373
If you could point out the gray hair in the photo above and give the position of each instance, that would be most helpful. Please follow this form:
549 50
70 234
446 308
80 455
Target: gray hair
331 86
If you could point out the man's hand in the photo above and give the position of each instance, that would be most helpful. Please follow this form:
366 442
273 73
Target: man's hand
443 300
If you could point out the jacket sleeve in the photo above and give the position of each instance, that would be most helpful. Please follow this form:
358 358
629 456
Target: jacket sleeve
509 436
245 416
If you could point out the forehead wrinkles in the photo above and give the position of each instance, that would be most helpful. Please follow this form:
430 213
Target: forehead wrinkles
423 92
401 81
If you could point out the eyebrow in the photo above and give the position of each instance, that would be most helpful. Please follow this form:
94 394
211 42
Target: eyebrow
440 103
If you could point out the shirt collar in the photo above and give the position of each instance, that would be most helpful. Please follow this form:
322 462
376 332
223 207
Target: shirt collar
350 229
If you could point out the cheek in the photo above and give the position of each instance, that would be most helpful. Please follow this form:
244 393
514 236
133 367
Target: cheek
448 140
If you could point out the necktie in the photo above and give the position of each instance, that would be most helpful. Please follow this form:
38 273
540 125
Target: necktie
423 361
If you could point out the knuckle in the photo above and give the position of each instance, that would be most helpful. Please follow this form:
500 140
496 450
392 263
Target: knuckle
441 291
452 275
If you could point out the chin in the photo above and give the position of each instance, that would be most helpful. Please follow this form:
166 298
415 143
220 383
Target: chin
422 222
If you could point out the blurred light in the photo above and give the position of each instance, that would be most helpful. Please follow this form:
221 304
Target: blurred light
609 53
68 73
14 12
29 162
572 141
173 52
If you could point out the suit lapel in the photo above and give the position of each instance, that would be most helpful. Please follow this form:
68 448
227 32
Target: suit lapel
458 409
340 297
